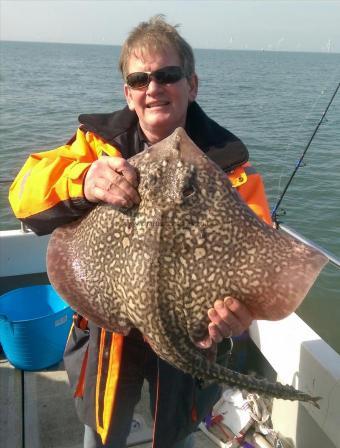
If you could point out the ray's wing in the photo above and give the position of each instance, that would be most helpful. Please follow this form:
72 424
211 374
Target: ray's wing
84 264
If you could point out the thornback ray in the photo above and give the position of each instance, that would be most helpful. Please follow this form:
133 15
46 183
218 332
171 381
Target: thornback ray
161 265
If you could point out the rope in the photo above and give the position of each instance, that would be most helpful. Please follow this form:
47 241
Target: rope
261 416
258 411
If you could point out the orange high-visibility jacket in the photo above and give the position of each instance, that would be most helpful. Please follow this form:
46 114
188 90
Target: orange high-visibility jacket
48 192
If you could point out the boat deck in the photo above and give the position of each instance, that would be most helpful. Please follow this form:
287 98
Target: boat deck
37 411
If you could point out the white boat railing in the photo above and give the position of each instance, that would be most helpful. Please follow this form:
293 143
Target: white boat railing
331 257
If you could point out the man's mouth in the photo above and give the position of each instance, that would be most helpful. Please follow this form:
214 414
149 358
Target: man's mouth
155 104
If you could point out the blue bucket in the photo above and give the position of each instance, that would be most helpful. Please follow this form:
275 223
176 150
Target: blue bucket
34 325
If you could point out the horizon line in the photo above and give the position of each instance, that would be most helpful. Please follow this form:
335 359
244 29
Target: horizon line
194 48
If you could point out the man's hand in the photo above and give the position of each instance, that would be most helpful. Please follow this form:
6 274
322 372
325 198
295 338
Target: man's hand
112 180
229 317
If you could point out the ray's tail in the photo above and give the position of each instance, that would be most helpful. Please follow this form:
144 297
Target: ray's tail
203 369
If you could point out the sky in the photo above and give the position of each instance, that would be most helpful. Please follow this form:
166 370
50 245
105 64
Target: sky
287 25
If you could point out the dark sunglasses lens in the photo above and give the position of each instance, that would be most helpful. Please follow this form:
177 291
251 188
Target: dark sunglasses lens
137 80
168 75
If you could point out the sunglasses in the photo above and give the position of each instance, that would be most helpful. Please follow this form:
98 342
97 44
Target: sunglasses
165 75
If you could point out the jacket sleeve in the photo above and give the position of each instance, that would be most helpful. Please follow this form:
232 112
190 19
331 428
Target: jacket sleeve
48 191
250 186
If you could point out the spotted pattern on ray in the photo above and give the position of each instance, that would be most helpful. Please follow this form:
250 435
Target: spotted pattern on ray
160 266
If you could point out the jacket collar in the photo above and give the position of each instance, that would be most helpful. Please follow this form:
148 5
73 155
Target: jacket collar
122 130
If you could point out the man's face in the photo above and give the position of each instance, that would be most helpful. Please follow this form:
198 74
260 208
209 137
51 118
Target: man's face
160 108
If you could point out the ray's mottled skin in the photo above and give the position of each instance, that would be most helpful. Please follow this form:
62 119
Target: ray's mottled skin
160 266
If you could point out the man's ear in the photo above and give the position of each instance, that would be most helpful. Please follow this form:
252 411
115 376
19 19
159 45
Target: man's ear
128 97
193 86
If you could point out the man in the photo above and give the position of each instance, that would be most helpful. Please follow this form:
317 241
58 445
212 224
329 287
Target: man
107 370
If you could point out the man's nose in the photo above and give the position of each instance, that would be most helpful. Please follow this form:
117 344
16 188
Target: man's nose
153 85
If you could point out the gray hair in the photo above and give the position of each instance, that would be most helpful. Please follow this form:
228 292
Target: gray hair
156 35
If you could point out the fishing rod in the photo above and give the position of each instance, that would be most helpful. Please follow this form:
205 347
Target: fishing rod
274 212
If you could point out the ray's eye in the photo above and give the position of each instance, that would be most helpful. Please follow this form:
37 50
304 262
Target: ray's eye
189 191
153 179
190 184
